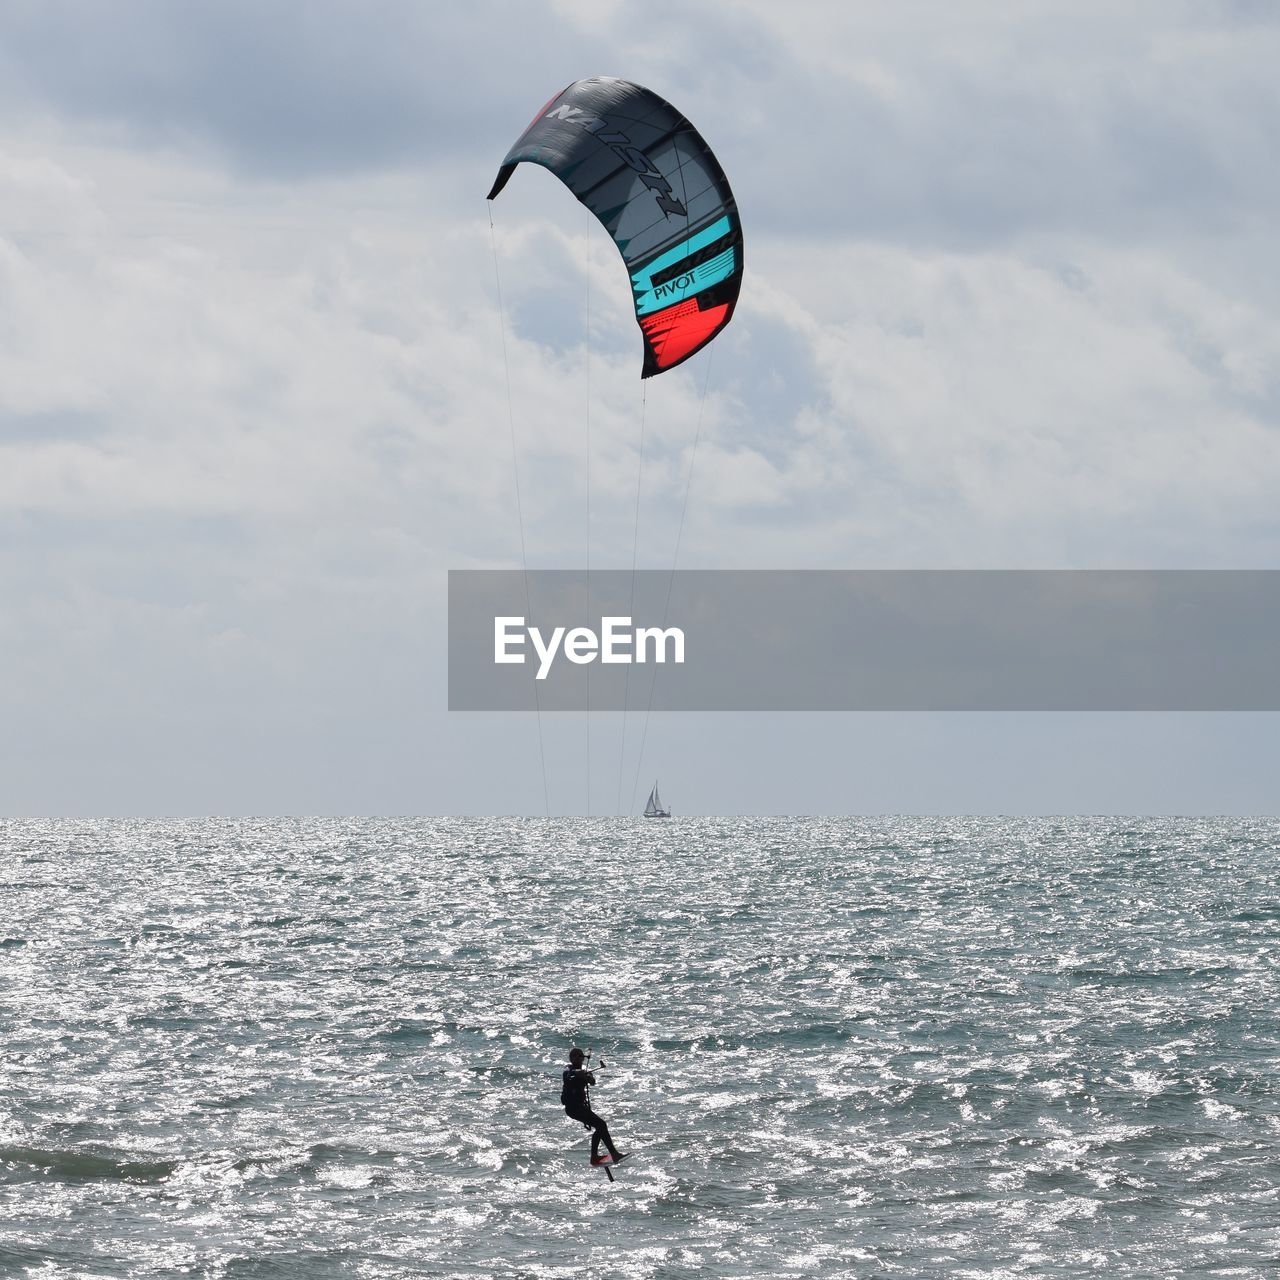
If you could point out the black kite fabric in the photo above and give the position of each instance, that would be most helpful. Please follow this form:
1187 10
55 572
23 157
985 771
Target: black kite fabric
648 176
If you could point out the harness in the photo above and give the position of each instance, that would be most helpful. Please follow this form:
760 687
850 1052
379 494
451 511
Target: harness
571 1096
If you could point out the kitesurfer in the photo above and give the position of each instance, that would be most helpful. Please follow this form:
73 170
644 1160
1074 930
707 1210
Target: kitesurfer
577 1106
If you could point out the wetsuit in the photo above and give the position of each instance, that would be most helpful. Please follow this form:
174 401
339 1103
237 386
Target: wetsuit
578 1107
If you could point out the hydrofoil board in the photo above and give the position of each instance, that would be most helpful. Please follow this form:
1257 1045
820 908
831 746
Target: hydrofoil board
607 1163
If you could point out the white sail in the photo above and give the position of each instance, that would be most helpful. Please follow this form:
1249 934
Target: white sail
653 808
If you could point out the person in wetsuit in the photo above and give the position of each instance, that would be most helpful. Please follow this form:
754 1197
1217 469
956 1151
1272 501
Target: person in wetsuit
577 1106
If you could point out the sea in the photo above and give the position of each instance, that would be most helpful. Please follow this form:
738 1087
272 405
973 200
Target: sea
865 1047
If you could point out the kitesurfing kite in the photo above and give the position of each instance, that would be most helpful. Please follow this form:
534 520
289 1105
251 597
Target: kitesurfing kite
648 176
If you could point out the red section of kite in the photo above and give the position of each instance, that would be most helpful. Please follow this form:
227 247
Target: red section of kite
676 331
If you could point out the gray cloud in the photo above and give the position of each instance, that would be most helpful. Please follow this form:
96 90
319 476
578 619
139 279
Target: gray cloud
885 120
301 87
1012 301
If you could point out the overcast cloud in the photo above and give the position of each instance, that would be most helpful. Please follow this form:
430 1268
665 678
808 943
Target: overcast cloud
1012 300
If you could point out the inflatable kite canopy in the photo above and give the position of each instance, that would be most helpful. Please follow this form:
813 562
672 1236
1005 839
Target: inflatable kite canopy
648 176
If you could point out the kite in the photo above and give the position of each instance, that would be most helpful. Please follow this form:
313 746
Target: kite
651 180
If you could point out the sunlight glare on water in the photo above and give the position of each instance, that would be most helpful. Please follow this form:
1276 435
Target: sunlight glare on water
908 1047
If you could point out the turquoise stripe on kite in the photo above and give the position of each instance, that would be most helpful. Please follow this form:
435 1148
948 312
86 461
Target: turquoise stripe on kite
721 267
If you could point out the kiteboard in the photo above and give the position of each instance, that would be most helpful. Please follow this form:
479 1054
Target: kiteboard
607 1163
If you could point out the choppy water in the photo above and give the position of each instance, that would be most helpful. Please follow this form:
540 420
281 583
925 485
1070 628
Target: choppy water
843 1047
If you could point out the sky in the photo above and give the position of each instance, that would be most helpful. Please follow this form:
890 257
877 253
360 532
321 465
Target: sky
1012 300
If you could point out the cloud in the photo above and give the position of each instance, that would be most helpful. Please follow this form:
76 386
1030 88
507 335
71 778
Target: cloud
896 121
960 126
280 91
1009 301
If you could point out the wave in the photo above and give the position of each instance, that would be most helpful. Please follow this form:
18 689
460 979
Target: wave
85 1166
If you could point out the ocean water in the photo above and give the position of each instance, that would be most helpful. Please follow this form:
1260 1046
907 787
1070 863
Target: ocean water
855 1047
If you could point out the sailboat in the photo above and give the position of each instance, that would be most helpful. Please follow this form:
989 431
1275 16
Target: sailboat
653 808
